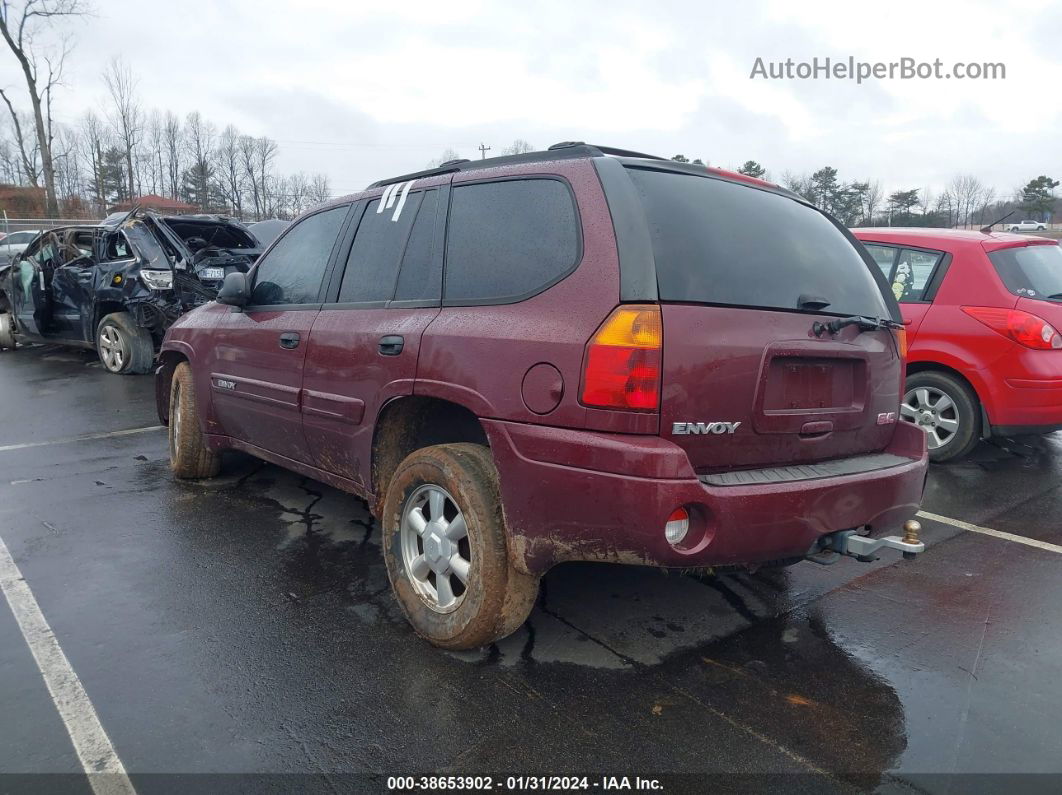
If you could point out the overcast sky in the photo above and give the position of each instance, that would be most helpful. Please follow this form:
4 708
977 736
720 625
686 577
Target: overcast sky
360 90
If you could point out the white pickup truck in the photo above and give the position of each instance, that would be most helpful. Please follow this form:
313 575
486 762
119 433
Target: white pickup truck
1026 226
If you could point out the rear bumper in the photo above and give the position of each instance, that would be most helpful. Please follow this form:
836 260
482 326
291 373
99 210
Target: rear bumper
576 495
1027 397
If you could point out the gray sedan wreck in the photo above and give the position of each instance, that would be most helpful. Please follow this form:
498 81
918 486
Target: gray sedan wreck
117 286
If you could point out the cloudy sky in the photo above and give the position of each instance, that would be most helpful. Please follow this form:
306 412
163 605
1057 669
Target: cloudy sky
364 90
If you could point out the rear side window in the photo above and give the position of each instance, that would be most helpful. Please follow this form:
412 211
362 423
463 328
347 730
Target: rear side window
292 271
720 243
913 271
508 240
418 278
372 265
1032 271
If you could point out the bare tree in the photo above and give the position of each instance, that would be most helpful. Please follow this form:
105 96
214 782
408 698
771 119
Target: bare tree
518 147
265 152
173 140
320 191
19 27
230 176
247 163
446 157
91 139
199 139
126 118
872 200
156 136
28 149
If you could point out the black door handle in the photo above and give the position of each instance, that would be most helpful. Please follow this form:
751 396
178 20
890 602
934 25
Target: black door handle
391 345
289 340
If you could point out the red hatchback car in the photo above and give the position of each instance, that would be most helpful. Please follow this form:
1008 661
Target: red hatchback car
982 314
577 354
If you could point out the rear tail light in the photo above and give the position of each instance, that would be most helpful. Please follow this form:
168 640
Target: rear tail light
1022 327
623 360
901 341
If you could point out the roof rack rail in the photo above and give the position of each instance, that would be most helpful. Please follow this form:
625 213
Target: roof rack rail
605 150
565 149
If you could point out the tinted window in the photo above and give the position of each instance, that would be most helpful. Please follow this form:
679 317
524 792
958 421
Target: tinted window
372 265
883 256
507 239
418 278
721 243
292 271
1033 271
912 273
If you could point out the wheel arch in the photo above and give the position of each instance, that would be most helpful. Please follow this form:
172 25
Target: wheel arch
167 363
411 422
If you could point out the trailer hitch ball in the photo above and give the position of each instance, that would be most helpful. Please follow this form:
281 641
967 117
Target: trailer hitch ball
911 529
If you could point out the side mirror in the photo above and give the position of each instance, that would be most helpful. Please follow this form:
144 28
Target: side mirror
235 291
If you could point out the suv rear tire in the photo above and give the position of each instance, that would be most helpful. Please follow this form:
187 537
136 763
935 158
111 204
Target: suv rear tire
954 428
123 346
190 458
446 548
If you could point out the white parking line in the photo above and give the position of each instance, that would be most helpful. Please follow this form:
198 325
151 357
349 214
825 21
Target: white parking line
83 438
93 746
1029 542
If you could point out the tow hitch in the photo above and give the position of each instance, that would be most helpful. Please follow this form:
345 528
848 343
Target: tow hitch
830 548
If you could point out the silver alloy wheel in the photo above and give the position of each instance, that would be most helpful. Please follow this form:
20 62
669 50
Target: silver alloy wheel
934 412
435 548
175 434
112 349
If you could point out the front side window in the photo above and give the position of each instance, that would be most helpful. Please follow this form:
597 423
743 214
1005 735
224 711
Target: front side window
292 271
509 239
1031 271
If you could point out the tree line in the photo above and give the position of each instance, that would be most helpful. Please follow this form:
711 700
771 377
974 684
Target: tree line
964 202
127 151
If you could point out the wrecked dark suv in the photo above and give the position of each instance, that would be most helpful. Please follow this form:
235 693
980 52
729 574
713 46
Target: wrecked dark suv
117 286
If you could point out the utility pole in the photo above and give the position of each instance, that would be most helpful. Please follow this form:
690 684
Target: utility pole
483 151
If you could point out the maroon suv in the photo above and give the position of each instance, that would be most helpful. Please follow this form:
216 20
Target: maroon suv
579 354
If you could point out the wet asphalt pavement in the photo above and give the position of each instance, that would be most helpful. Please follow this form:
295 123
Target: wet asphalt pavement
245 625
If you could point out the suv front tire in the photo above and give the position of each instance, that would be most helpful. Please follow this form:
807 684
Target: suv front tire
444 543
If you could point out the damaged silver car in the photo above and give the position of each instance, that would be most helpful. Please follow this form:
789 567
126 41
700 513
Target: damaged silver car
117 286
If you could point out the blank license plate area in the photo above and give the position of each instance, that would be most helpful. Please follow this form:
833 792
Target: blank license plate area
811 384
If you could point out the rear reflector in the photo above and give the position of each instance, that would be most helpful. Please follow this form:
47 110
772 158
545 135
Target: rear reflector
678 524
623 358
1022 327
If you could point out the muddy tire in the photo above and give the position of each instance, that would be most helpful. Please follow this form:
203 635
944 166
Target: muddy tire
446 548
7 332
123 346
190 458
947 409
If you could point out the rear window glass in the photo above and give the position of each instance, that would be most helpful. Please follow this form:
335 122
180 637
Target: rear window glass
372 265
720 243
508 239
207 234
1033 271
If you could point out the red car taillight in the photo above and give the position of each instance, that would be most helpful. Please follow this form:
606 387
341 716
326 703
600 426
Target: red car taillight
623 360
1022 327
